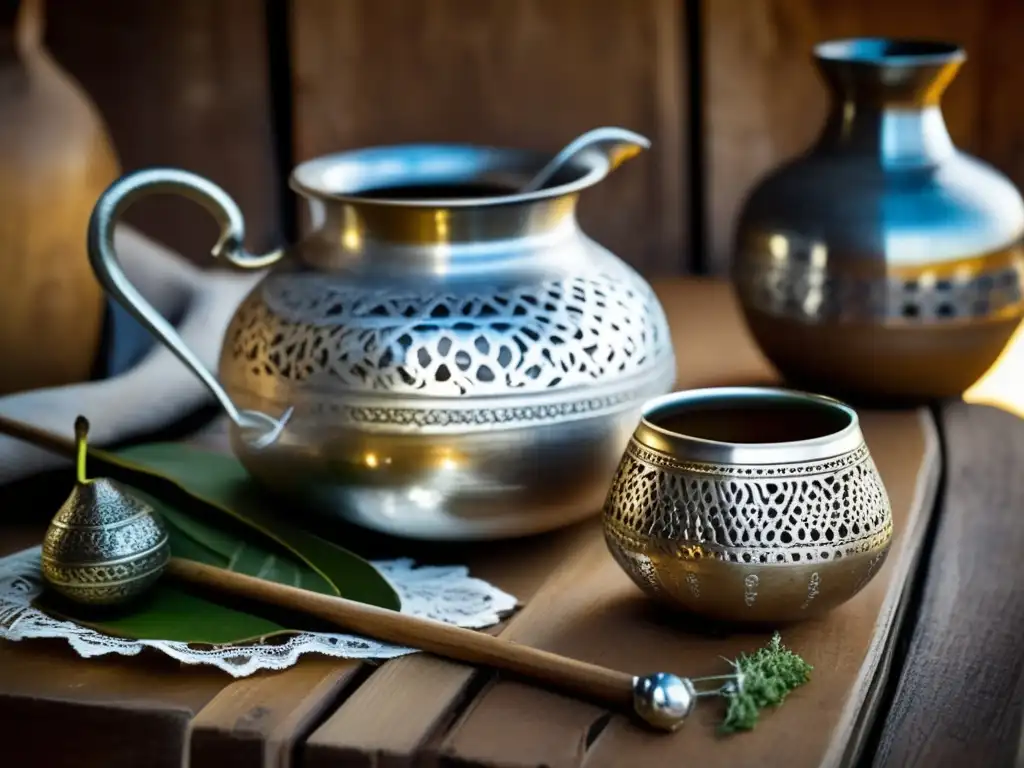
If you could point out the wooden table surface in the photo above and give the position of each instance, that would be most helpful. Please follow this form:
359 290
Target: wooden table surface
946 689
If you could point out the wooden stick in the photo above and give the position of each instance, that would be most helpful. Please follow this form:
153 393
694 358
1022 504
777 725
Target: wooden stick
40 438
589 681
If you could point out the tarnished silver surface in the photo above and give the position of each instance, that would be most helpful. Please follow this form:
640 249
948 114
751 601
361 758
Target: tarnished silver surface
434 365
883 261
735 527
103 546
662 700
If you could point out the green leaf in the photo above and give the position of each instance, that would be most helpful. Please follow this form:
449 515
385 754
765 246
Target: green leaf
199 621
236 553
221 482
217 515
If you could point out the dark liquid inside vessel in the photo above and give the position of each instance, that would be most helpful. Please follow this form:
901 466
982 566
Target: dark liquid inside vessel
435 192
754 422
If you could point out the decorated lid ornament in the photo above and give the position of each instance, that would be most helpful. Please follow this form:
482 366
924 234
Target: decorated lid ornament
104 546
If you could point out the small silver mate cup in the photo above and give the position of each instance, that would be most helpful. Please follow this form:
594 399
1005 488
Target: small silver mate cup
745 504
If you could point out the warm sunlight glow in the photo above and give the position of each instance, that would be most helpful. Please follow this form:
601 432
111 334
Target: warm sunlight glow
1003 385
352 239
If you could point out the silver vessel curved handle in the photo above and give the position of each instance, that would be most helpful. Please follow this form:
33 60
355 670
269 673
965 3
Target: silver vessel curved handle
617 145
258 428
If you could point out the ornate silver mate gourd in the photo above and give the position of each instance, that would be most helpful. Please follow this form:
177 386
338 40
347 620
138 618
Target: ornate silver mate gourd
104 546
749 505
442 356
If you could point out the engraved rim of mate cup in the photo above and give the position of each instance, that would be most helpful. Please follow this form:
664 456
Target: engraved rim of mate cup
830 443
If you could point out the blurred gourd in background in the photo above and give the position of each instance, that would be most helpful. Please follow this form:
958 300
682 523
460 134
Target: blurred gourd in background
55 160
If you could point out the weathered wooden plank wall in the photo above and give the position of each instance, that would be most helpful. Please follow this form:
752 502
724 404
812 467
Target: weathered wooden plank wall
532 73
183 83
239 90
190 84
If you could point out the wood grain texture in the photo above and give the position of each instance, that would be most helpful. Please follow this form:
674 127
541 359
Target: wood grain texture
111 711
183 84
530 74
376 724
764 100
259 721
960 698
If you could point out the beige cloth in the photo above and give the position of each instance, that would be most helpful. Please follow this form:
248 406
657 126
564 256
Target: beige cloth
158 390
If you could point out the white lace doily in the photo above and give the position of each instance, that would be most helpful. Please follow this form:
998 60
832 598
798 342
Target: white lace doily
444 593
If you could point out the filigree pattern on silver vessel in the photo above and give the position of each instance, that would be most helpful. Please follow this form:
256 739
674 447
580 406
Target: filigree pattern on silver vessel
790 513
801 288
103 545
112 541
541 337
833 463
94 576
328 410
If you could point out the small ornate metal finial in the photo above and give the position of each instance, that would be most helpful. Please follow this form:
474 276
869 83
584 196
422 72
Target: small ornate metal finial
663 700
104 546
